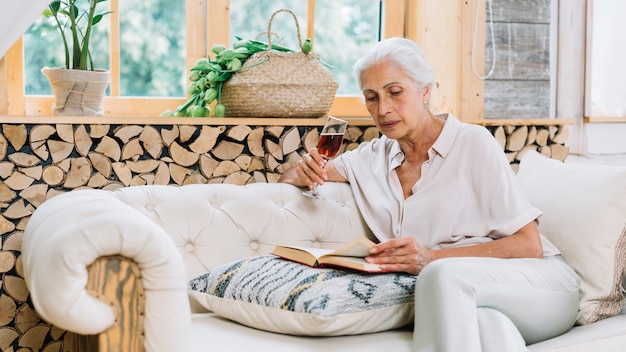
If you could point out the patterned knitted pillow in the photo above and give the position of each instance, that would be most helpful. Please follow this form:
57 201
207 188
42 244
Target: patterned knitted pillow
277 295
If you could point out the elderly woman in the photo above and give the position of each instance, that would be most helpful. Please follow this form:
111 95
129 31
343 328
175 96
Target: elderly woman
443 201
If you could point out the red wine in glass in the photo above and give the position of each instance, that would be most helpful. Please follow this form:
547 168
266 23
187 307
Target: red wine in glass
329 144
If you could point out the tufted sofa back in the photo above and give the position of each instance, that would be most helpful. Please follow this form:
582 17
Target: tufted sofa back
217 223
152 225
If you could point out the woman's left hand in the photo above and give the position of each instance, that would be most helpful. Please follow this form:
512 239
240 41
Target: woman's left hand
402 254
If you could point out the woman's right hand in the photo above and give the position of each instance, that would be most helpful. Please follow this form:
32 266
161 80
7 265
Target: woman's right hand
311 169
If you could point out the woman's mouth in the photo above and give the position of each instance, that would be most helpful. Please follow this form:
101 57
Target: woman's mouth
389 124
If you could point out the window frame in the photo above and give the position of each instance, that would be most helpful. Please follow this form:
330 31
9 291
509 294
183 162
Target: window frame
592 114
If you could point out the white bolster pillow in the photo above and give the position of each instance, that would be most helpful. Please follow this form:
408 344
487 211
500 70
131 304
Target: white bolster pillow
69 232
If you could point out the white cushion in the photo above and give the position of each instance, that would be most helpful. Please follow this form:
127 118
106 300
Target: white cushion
277 295
585 217
210 332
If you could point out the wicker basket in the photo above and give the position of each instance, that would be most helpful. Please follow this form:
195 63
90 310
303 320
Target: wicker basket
287 84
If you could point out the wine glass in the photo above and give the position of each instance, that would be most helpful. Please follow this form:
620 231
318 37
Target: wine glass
329 144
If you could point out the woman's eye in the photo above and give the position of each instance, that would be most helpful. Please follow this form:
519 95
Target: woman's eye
370 98
396 92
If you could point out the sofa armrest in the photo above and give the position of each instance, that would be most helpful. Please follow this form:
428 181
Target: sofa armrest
71 232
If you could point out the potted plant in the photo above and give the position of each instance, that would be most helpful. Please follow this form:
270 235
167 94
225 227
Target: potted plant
78 88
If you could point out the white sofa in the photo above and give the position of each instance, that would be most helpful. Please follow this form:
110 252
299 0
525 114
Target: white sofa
174 234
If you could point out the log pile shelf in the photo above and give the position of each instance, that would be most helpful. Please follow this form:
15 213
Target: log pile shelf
41 157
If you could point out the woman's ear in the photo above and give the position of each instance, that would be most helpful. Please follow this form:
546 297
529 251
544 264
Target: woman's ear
426 94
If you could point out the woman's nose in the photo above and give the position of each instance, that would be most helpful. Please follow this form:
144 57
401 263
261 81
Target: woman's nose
383 106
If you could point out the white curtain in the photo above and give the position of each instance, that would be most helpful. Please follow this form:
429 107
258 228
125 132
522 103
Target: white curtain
608 58
15 18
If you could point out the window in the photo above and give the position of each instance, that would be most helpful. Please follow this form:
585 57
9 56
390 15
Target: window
152 61
606 92
150 45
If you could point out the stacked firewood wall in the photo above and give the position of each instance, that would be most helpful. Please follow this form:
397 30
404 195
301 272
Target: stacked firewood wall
39 161
547 140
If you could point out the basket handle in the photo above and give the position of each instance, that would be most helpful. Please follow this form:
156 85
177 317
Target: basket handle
265 33
269 28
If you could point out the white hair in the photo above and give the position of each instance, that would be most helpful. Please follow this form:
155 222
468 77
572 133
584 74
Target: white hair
403 53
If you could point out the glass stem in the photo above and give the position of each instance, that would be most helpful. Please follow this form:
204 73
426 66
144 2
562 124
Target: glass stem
314 190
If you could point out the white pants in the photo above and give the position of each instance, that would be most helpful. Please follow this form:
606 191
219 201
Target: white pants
489 304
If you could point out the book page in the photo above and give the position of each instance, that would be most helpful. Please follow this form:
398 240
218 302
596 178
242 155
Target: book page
350 255
357 248
351 263
316 252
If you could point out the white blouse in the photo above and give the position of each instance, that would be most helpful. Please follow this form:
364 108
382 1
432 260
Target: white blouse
467 193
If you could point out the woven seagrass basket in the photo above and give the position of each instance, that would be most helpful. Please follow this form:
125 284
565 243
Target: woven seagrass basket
286 84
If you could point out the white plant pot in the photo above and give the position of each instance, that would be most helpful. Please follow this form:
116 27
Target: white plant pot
77 92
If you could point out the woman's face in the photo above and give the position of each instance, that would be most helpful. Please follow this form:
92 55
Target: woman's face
393 99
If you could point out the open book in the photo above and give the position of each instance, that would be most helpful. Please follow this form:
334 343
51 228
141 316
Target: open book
350 256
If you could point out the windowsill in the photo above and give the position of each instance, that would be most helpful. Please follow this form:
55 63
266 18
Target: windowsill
177 120
213 121
604 119
523 122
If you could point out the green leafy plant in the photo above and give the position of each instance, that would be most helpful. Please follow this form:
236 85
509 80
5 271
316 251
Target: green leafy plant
78 17
209 75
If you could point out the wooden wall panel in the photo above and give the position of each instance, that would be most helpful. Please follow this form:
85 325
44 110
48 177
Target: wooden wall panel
518 99
4 92
522 52
520 84
442 47
525 11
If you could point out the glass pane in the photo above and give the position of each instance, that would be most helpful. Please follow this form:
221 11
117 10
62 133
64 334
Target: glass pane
152 54
343 31
608 54
250 18
43 46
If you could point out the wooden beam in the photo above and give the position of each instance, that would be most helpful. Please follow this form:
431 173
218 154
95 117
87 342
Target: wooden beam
310 21
394 18
570 75
197 31
439 37
4 93
450 49
472 88
15 79
571 59
114 40
218 32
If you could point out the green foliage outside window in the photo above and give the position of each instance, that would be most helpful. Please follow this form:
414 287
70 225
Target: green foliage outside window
152 52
